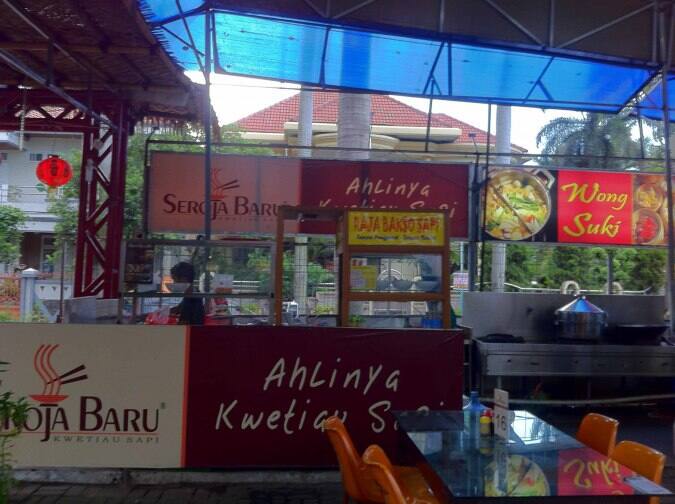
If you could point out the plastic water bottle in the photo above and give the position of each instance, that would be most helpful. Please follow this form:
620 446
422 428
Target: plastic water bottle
474 406
474 410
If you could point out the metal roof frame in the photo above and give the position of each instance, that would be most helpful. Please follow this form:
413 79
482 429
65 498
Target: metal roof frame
657 63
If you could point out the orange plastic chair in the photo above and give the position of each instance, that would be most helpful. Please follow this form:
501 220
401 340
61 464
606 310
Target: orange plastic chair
598 432
380 467
642 459
357 480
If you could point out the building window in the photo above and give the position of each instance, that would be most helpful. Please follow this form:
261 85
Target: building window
3 156
35 156
47 251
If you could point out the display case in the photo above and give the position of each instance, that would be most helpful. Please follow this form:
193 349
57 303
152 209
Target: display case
398 261
393 265
231 278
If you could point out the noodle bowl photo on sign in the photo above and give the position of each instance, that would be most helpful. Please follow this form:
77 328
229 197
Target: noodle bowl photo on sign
518 204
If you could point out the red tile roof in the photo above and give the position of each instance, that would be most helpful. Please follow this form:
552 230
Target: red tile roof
386 111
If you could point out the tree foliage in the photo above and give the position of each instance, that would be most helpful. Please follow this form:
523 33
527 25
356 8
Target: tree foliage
591 134
11 220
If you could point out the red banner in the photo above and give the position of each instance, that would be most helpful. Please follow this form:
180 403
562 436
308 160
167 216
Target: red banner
247 190
595 208
257 396
591 207
418 186
583 471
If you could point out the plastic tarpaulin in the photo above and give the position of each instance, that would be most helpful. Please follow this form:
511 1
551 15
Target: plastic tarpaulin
355 58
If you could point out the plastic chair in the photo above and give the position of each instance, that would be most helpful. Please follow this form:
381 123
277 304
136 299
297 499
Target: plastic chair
383 472
642 459
357 480
598 432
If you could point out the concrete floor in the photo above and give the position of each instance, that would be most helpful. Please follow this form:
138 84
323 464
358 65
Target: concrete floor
230 494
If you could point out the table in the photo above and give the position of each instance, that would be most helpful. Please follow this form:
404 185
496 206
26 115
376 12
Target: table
539 462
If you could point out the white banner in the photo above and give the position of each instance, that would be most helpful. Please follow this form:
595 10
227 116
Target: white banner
100 395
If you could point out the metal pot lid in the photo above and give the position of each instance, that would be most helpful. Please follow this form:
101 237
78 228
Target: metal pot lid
580 305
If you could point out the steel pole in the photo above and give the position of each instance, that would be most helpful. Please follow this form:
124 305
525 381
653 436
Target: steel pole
207 126
669 199
666 48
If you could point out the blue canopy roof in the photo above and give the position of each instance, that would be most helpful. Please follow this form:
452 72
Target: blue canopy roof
355 58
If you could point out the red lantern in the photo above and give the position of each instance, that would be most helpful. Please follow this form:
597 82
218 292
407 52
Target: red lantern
54 171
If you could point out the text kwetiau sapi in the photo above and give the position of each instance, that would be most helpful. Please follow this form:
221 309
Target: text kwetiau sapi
301 412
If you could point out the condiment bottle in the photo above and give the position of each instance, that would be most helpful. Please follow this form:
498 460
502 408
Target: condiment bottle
485 425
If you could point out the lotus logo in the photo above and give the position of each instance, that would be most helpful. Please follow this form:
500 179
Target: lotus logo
52 381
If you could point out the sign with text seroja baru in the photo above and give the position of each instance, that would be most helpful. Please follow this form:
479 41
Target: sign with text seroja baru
246 191
99 395
395 228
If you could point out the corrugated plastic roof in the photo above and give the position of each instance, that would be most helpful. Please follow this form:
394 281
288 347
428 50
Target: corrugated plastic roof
331 55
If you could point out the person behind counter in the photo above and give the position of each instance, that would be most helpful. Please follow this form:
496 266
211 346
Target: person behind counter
191 309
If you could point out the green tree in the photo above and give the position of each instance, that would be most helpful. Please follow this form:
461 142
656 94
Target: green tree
647 270
591 134
585 265
258 268
600 135
11 220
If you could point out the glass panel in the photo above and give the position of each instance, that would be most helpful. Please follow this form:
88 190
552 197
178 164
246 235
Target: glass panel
395 314
395 273
165 274
538 460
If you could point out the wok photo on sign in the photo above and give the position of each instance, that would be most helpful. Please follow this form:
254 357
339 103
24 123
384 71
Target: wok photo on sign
518 203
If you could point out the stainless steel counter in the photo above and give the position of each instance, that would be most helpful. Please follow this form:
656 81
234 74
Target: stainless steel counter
549 359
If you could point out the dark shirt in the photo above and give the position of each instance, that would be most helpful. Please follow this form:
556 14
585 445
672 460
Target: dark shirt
191 311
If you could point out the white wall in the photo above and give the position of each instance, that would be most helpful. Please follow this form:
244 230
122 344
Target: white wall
19 170
18 182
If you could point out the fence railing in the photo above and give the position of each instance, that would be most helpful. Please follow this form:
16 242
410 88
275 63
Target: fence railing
24 194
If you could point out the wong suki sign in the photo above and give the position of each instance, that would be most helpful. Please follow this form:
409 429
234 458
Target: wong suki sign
247 190
253 408
100 396
582 471
585 207
612 208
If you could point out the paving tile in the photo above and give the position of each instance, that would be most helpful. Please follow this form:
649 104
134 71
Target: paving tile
51 490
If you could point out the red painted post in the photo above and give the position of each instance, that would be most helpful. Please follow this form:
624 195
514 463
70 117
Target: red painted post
115 226
101 211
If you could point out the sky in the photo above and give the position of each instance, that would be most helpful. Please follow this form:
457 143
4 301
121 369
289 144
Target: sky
236 97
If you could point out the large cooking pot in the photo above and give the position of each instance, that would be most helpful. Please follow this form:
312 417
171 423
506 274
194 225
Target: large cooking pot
580 320
518 203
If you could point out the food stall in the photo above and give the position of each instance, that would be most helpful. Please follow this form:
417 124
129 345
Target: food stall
240 391
534 339
369 242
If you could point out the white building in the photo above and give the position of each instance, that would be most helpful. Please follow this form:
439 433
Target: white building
19 188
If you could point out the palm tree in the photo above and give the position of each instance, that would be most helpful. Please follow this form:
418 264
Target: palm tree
592 134
353 125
